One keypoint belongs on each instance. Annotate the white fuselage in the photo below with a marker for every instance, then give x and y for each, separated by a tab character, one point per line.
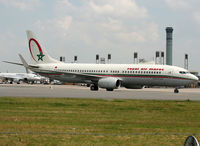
129	74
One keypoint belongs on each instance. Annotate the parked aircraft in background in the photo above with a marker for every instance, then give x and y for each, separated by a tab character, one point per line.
17	77
108	76
27	77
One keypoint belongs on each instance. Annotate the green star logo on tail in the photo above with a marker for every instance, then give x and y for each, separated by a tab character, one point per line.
40	56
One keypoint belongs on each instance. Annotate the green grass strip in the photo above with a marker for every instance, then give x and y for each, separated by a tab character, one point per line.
66	121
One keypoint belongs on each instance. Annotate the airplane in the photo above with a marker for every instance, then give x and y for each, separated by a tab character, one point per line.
106	76
27	77
18	77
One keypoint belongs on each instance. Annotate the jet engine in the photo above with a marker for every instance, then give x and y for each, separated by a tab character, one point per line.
109	83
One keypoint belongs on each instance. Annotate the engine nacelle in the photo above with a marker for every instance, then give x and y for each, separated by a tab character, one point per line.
109	83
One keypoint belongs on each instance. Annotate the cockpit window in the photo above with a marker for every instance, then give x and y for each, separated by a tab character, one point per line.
183	72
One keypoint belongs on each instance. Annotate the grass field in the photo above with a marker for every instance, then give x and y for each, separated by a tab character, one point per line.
63	121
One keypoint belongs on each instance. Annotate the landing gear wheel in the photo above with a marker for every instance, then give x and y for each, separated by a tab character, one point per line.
109	89
94	88
176	90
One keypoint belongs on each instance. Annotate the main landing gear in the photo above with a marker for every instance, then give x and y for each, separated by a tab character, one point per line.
94	87
176	90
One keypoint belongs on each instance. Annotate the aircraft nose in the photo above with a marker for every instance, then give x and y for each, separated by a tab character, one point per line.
195	78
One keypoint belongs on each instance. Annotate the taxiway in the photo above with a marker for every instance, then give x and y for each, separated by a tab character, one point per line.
67	91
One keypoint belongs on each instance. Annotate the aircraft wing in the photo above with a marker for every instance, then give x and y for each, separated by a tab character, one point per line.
49	73
84	76
43	72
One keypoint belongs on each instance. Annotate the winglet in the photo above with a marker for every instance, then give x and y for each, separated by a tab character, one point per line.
23	61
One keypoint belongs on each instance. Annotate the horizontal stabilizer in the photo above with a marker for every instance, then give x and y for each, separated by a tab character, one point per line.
15	63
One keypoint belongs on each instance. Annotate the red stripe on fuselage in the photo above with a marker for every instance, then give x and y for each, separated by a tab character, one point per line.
143	76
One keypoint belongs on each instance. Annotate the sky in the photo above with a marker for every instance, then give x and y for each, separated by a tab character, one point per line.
89	27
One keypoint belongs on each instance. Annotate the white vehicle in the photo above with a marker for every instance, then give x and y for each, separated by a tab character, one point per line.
108	76
17	77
